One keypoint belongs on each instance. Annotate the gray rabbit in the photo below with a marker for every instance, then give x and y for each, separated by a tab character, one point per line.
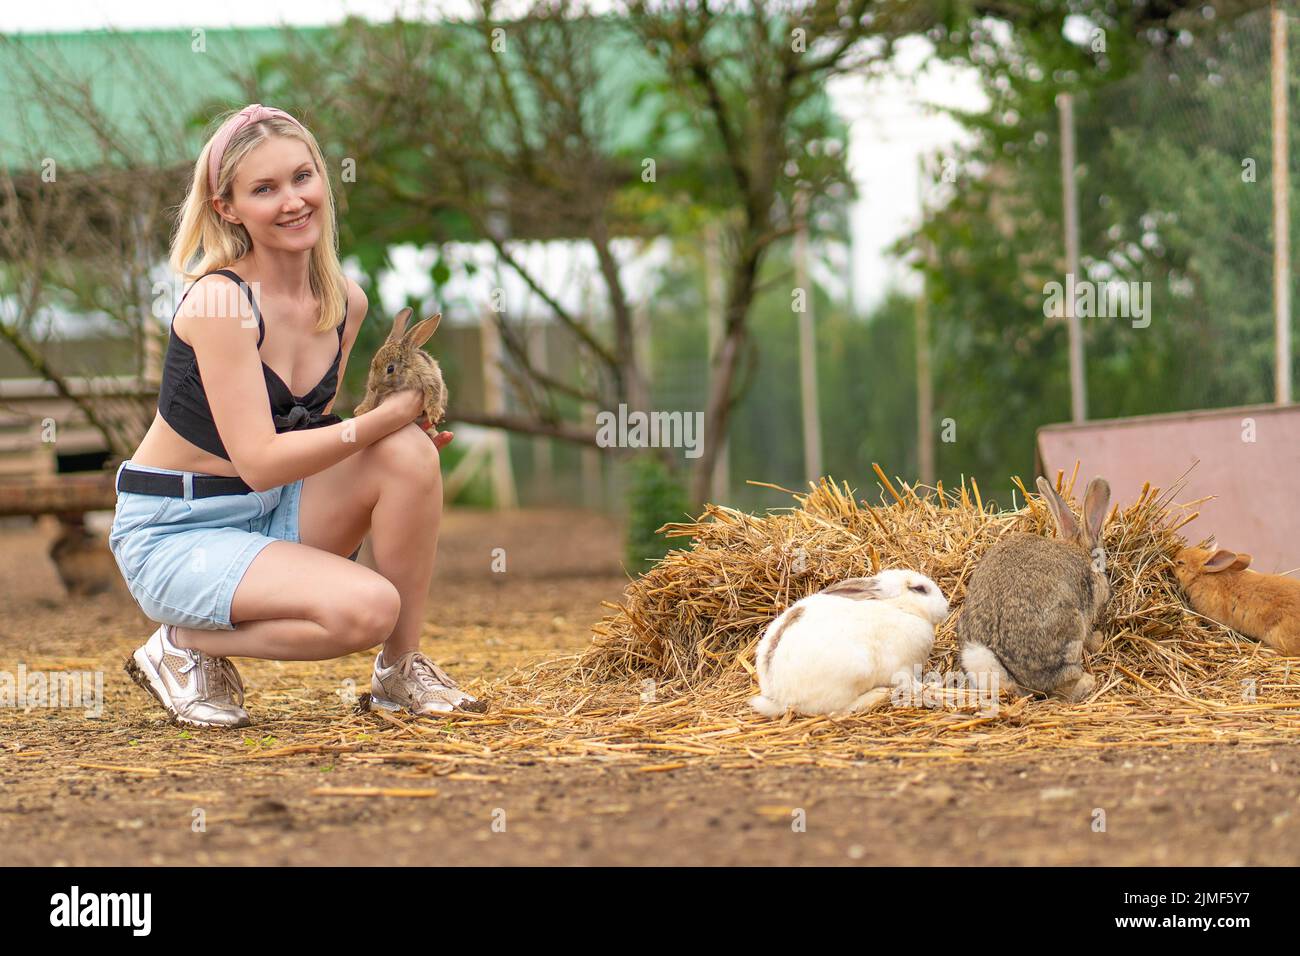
1033	602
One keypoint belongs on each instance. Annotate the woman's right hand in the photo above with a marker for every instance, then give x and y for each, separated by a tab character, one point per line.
407	404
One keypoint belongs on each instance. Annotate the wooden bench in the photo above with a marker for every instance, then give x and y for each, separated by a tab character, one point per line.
46	442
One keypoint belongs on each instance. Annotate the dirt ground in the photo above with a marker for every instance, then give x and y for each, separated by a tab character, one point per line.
127	787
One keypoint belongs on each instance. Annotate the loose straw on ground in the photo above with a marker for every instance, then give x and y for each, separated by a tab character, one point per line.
665	682
671	669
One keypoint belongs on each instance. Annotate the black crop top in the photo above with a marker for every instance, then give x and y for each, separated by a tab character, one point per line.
184	405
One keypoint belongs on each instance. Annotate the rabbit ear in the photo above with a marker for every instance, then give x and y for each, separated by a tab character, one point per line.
399	325
1223	560
1096	500
858	589
423	331
1066	527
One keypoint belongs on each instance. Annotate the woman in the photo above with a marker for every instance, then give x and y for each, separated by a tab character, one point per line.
236	515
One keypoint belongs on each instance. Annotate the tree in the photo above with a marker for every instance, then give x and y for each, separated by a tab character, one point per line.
751	83
1160	138
493	131
501	131
83	217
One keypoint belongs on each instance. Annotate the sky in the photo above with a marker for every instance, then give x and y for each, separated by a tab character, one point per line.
891	121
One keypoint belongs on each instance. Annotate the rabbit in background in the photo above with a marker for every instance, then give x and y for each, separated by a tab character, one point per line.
1220	586
401	363
838	651
1033	603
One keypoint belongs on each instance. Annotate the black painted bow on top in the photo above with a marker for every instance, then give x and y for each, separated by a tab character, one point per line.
300	416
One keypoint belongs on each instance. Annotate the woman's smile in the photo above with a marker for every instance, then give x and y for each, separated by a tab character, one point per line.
299	222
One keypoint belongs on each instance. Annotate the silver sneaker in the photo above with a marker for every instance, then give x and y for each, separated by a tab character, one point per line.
417	684
197	689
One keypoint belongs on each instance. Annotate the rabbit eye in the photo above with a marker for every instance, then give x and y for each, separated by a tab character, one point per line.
390	370
918	588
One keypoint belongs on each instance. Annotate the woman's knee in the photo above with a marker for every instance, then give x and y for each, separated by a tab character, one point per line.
408	453
365	613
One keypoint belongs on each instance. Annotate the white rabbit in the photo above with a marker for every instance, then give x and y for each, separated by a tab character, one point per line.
837	651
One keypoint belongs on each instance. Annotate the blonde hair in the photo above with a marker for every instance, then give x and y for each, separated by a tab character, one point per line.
207	241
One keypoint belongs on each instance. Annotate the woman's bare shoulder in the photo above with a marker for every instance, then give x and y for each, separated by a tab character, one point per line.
358	305
210	296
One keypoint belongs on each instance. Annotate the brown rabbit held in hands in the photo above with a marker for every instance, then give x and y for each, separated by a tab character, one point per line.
400	363
1033	603
1265	607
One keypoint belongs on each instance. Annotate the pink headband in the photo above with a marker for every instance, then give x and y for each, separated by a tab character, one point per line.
252	113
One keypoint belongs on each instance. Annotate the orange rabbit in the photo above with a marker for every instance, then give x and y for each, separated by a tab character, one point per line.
1263	606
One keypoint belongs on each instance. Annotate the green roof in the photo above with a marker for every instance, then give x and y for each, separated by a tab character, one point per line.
153	84
129	75
159	89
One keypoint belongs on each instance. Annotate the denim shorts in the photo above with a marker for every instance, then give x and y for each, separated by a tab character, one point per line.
182	558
